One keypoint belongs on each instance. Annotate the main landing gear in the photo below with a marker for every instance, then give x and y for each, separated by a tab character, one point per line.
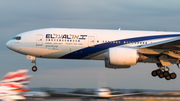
33	60
163	73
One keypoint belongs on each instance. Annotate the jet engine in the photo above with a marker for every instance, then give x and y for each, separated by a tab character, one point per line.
122	57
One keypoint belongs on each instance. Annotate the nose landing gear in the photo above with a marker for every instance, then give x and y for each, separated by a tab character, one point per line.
34	68
33	58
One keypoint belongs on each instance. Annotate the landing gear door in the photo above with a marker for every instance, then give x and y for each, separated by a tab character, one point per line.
91	41
39	40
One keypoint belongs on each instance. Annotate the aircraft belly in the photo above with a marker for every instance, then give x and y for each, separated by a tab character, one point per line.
102	55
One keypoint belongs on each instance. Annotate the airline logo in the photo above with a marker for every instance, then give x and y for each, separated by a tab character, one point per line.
24	80
66	36
12	85
22	90
16	80
3	93
14	76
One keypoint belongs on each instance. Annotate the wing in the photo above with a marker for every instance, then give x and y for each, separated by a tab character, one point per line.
120	95
82	95
165	50
167	44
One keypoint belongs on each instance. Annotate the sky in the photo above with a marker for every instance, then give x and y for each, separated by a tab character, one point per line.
25	15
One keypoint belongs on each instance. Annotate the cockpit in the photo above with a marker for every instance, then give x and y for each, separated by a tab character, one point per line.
17	38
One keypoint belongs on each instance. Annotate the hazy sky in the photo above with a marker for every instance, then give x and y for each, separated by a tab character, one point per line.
17	16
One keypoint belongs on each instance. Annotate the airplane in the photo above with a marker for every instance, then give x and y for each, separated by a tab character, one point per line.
102	93
36	94
13	84
118	48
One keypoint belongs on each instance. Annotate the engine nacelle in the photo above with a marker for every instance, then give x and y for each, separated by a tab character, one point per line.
123	56
108	65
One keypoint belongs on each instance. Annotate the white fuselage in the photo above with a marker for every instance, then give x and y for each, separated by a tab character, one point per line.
61	43
103	92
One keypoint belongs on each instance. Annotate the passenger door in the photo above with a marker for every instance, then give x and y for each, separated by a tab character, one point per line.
91	41
39	40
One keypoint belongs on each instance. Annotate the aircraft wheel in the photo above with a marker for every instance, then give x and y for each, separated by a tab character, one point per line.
159	71
161	75
168	77
154	73
173	75
166	73
34	68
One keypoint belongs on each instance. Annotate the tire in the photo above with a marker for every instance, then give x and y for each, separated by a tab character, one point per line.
154	73
166	73
168	78
159	71
34	68
161	76
173	75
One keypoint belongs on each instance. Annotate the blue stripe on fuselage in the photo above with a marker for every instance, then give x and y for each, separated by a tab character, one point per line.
79	54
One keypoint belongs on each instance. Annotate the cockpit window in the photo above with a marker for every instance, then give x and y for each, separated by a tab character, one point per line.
17	38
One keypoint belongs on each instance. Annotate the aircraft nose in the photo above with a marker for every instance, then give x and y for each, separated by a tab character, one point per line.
15	46
8	44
